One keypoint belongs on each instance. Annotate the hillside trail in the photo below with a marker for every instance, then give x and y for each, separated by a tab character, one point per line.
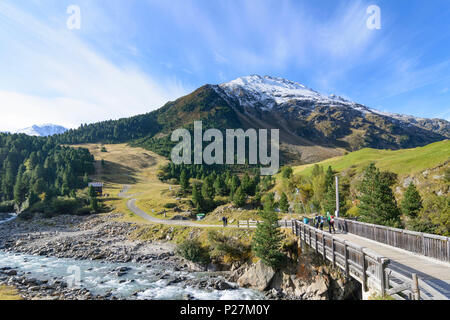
131	205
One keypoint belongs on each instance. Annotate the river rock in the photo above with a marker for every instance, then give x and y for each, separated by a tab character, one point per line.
257	276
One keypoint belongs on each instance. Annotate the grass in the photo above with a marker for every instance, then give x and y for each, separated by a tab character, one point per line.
402	162
9	293
137	167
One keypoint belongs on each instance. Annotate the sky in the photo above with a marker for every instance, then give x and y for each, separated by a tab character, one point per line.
130	57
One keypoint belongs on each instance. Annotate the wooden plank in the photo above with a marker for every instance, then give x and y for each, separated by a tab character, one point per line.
364	268
346	259
399	288
333	251
415	287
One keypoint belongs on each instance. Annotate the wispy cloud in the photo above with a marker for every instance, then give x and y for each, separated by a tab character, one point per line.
62	79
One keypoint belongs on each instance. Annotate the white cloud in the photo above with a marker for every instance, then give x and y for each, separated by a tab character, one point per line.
52	75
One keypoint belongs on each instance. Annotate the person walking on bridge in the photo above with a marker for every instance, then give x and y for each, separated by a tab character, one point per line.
331	224
322	221
316	221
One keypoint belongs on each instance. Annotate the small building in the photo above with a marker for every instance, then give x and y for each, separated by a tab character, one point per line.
98	187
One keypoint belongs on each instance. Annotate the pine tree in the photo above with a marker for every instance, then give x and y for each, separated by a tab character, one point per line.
219	186
239	197
286	172
377	201
20	187
197	198
329	176
267	239
284	203
412	202
184	180
235	183
208	191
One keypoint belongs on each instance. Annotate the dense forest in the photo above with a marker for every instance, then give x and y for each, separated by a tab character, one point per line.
35	168
111	131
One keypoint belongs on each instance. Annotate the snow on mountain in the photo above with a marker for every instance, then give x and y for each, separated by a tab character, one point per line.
43	130
271	91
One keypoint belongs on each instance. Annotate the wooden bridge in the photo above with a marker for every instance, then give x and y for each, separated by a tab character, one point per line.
403	264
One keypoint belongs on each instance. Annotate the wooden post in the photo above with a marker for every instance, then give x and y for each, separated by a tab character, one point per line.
416	289
448	249
386	280
315	239
423	244
309	234
324	246
364	269
332	250
347	270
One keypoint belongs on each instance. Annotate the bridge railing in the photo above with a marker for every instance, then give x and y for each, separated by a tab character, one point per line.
429	245
361	263
364	265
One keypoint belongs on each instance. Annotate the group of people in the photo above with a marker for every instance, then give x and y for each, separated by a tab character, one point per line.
320	220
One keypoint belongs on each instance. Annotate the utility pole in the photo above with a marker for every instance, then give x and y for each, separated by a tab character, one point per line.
337	196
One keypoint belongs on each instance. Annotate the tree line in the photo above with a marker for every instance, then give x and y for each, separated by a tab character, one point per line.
36	168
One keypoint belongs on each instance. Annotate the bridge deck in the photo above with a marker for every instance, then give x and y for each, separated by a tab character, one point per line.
435	273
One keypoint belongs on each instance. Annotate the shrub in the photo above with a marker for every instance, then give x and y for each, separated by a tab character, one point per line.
228	248
83	211
65	206
170	205
192	250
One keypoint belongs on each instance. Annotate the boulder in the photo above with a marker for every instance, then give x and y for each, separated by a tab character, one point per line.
258	276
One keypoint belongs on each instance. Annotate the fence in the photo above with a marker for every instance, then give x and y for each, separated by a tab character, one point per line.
429	245
248	224
253	223
364	265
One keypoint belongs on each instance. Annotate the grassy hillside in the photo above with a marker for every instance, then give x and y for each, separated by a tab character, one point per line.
402	162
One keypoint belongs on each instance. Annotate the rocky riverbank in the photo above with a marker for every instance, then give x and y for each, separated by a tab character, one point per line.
105	241
92	238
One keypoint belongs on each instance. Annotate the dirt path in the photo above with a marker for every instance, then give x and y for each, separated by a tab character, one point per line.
131	204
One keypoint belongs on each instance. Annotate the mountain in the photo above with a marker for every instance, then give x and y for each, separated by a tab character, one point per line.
313	126
43	130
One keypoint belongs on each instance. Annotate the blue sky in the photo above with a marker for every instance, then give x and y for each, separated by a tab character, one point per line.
132	56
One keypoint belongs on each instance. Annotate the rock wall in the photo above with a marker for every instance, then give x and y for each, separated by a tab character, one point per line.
306	276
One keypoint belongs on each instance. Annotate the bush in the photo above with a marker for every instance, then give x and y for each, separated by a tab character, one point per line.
170	205
83	211
65	206
7	207
192	250
229	249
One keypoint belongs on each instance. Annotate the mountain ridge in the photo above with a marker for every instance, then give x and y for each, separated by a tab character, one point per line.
313	127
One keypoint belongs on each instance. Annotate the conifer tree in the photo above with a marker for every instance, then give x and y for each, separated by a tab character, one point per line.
239	197
267	239
329	176
197	198
412	202
377	201
284	203
20	187
184	180
219	186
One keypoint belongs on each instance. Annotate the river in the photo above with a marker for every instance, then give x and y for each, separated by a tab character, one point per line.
123	280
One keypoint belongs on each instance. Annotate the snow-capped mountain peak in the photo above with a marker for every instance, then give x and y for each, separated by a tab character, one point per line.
272	90
43	130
